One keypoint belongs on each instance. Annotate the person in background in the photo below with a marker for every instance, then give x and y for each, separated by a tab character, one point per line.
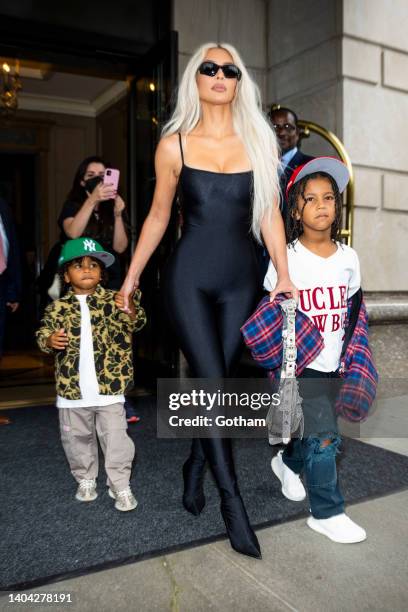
91	340
285	123
10	273
95	210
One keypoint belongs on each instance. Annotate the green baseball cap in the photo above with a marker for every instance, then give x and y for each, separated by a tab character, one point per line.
82	247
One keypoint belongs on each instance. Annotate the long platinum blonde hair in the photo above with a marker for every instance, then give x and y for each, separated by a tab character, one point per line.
249	123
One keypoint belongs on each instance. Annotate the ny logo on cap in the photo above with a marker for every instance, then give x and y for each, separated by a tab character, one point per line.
89	245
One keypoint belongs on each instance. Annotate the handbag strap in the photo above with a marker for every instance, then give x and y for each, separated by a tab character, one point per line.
289	339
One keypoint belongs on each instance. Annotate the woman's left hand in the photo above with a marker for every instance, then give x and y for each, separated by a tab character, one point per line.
119	205
285	285
120	303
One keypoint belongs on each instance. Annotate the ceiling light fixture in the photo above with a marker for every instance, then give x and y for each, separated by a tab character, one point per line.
10	86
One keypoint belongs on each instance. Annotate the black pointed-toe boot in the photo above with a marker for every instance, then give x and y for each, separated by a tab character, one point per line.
218	452
241	535
193	476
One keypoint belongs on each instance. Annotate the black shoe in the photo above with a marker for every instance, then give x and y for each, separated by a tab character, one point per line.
193	497
242	537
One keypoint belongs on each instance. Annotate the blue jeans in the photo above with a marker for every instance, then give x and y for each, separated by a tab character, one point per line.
315	454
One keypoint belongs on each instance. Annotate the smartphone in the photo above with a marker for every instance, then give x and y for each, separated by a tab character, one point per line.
111	177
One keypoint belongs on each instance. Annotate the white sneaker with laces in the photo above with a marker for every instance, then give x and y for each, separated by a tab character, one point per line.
292	487
125	500
339	528
86	490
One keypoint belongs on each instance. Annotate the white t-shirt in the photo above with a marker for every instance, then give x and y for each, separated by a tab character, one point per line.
88	383
325	284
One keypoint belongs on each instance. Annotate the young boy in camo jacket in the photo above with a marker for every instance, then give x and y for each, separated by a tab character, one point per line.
91	339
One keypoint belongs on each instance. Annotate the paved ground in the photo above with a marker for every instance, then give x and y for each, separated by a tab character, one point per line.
300	570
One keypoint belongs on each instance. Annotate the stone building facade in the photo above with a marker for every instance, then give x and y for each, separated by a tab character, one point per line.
344	65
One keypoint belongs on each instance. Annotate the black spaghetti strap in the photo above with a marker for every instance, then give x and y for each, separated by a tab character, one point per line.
181	149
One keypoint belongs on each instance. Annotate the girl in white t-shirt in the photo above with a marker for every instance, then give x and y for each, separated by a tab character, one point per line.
327	274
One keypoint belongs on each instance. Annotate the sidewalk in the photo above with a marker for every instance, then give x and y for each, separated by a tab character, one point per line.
300	570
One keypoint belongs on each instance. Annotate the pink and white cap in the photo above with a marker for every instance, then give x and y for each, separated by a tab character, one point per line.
330	165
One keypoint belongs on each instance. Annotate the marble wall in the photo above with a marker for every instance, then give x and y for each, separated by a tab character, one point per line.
344	65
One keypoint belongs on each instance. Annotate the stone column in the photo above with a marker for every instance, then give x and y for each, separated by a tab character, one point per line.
304	63
375	132
345	65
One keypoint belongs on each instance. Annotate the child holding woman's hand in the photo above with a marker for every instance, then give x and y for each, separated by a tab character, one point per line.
91	338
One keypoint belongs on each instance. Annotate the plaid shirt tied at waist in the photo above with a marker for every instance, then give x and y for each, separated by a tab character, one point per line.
262	334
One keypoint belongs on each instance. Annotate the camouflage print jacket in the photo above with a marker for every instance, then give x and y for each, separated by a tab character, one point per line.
112	341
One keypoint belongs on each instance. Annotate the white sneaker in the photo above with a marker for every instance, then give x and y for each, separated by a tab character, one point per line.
339	528
86	491
292	486
125	500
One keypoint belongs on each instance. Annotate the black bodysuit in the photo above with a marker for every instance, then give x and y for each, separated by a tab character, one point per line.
211	285
212	278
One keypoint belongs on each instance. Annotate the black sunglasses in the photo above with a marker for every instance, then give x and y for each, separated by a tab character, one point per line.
211	68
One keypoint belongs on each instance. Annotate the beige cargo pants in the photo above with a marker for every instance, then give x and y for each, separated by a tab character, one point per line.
79	429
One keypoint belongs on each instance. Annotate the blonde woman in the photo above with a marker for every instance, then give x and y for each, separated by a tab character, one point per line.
221	152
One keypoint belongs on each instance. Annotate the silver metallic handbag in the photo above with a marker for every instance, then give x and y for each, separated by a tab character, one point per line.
286	418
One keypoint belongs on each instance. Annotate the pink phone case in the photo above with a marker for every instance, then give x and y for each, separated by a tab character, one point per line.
111	177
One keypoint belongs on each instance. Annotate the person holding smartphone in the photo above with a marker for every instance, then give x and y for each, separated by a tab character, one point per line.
94	208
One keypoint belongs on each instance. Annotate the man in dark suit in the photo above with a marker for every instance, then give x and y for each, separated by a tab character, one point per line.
285	123
10	273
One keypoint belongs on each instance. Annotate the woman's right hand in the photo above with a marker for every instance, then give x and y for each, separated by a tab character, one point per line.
100	193
127	290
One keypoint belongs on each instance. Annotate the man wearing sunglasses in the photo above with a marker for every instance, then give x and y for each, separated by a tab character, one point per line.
285	123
